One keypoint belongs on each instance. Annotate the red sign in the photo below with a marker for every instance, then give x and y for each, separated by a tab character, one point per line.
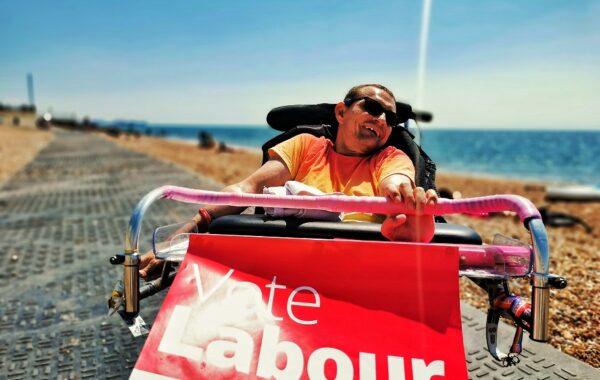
262	307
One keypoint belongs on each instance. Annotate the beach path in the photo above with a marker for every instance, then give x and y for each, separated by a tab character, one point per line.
64	214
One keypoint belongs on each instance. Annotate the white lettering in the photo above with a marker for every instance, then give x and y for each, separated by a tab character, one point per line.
270	348
422	371
219	352
291	303
396	368
171	342
220	283
234	347
366	364
249	299
316	364
273	286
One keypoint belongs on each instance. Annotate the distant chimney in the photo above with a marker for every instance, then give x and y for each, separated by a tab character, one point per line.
30	89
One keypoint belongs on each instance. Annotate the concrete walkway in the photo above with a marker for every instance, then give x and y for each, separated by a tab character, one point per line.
65	214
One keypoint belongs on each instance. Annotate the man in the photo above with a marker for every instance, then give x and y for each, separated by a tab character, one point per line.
355	164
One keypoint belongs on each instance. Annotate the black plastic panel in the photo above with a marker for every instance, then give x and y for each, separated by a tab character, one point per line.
266	226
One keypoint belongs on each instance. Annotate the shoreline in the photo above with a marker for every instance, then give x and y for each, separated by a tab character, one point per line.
535	181
475	175
194	143
499	177
139	143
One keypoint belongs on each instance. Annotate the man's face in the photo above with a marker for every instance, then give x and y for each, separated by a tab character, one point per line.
359	132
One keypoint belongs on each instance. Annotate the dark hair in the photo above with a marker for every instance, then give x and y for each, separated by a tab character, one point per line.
353	93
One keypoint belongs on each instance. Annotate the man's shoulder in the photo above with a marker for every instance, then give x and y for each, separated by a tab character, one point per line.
391	151
308	138
304	142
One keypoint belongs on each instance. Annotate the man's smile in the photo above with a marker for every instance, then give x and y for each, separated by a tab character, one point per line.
372	130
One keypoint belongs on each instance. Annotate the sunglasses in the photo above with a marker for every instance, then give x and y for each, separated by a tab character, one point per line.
375	109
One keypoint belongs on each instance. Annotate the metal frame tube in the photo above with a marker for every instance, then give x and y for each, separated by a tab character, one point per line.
540	294
131	283
131	266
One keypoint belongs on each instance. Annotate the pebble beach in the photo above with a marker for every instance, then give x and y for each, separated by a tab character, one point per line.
575	311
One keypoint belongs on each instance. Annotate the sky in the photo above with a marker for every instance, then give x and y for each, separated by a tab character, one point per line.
502	63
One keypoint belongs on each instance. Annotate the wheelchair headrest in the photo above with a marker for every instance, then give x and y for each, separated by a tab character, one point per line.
287	117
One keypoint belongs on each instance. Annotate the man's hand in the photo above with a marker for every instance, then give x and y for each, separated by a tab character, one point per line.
149	264
417	227
148	261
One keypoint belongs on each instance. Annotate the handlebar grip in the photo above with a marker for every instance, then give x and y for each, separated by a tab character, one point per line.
117	259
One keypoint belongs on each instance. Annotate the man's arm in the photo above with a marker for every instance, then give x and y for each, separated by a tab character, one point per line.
273	173
417	228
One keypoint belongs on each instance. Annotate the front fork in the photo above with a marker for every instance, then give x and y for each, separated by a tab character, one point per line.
505	303
130	258
117	303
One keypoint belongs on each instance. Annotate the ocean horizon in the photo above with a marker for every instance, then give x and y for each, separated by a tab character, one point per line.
548	155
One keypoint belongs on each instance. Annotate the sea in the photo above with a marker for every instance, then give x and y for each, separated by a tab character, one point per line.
554	156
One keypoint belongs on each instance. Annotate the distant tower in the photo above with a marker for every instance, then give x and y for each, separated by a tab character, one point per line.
30	89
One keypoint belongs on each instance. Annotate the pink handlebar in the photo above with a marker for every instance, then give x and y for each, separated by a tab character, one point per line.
343	203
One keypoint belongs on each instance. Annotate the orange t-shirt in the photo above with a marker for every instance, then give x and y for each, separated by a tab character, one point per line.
314	162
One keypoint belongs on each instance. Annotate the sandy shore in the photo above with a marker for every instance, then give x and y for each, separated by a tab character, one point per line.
575	320
18	145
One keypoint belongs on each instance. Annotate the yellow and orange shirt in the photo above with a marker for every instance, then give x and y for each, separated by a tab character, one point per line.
314	162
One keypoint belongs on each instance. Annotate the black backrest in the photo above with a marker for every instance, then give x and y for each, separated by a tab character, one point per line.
287	117
318	229
319	120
